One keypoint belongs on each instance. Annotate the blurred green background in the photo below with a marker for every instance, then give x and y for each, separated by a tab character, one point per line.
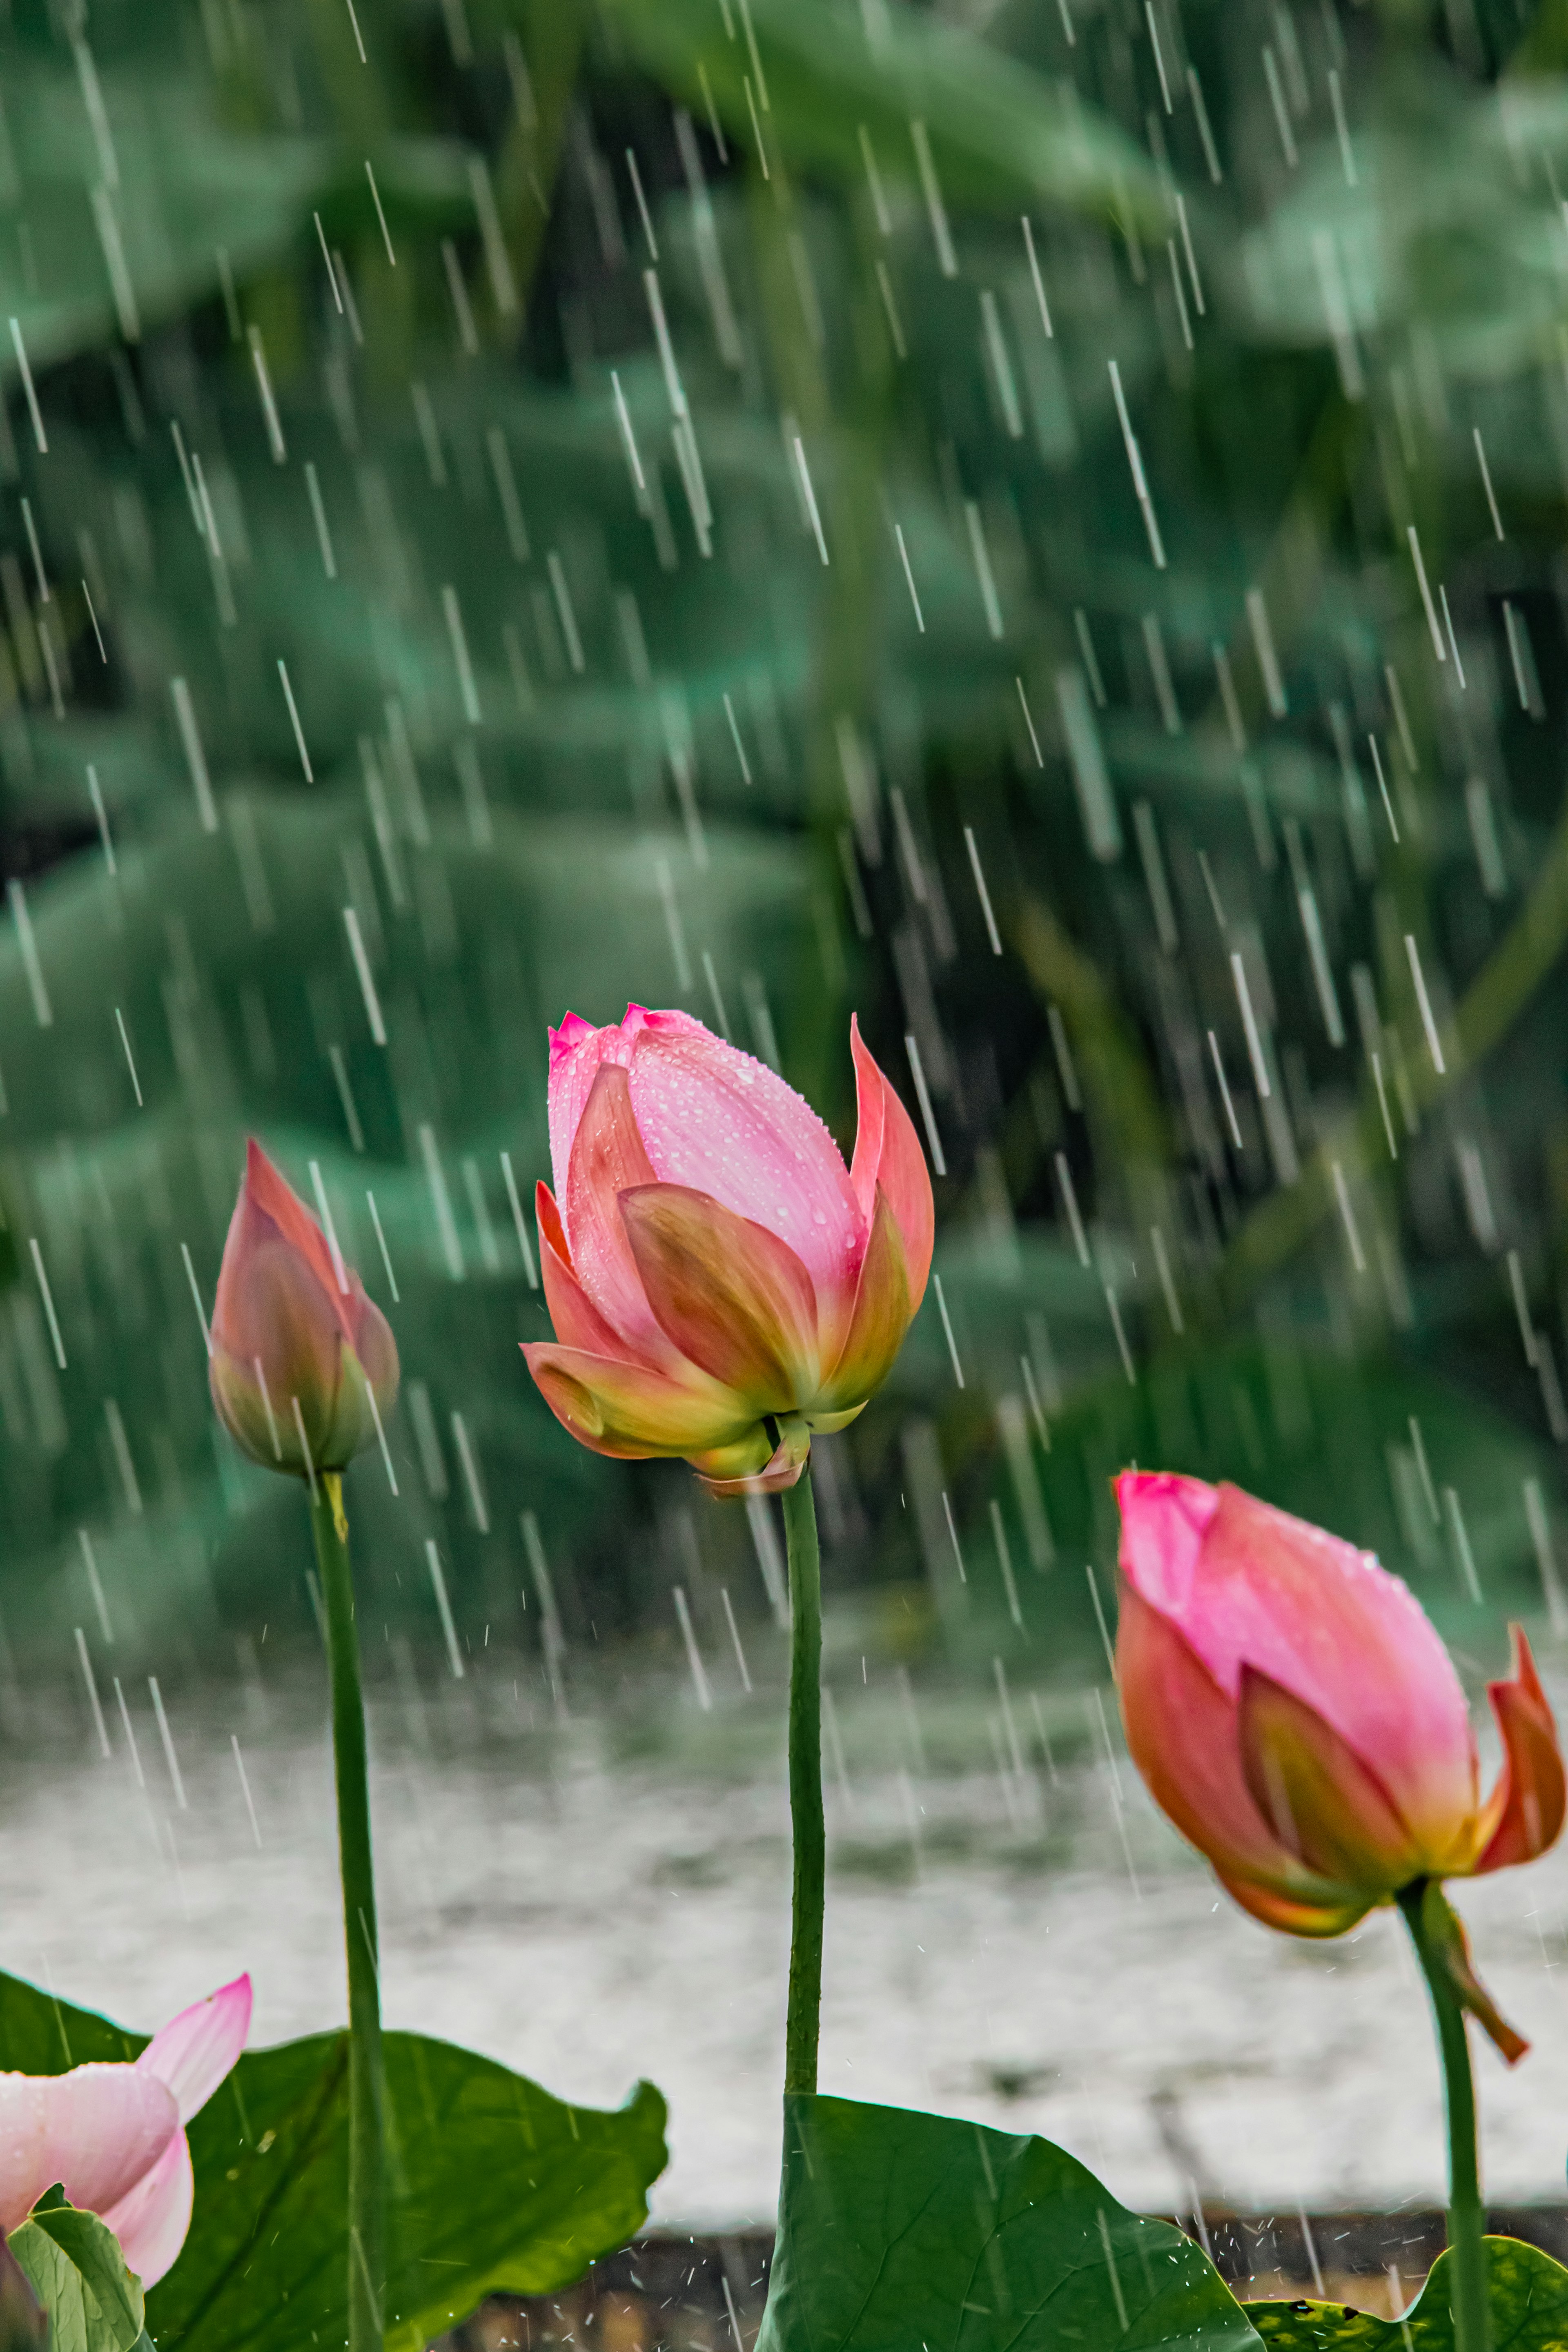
1039	520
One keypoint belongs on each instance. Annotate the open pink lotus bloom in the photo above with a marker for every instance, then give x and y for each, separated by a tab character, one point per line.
303	1362
721	1286
1293	1711
114	2135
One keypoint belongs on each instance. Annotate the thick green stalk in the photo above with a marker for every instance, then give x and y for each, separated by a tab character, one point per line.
366	2253
804	2013
1467	2219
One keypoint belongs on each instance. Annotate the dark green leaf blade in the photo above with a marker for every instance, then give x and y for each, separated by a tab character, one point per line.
1528	2296
493	2183
901	2229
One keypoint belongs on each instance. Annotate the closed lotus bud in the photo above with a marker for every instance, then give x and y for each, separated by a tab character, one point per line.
1295	1714
303	1365
721	1286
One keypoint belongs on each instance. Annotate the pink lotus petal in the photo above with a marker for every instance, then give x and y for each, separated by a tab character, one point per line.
1524	1814
573	1318
96	2130
733	1298
151	2220
1181	1735
576	1051
718	1121
888	1152
195	2051
267	1197
607	1159
880	1317
1248	1584
571	1031
632	1412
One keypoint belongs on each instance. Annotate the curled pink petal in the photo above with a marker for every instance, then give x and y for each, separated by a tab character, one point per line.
888	1153
782	1469
152	2219
195	2051
1524	1814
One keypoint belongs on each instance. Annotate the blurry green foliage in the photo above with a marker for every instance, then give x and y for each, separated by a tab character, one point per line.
358	416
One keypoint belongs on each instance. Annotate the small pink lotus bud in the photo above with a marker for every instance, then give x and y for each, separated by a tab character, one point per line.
1294	1712
303	1362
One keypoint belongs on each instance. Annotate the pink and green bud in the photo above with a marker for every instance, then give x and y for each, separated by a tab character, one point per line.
1295	1714
722	1287
303	1365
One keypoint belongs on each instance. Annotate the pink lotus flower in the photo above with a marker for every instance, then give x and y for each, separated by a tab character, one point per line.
1295	1714
721	1286
114	2135
303	1362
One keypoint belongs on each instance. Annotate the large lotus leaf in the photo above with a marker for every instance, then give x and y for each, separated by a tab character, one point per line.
898	2229
492	2183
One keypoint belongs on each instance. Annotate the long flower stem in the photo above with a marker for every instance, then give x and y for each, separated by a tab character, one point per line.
367	2192
1467	2219
805	2012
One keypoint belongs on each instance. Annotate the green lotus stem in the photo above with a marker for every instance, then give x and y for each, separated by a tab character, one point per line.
804	2018
367	2187
1467	2219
